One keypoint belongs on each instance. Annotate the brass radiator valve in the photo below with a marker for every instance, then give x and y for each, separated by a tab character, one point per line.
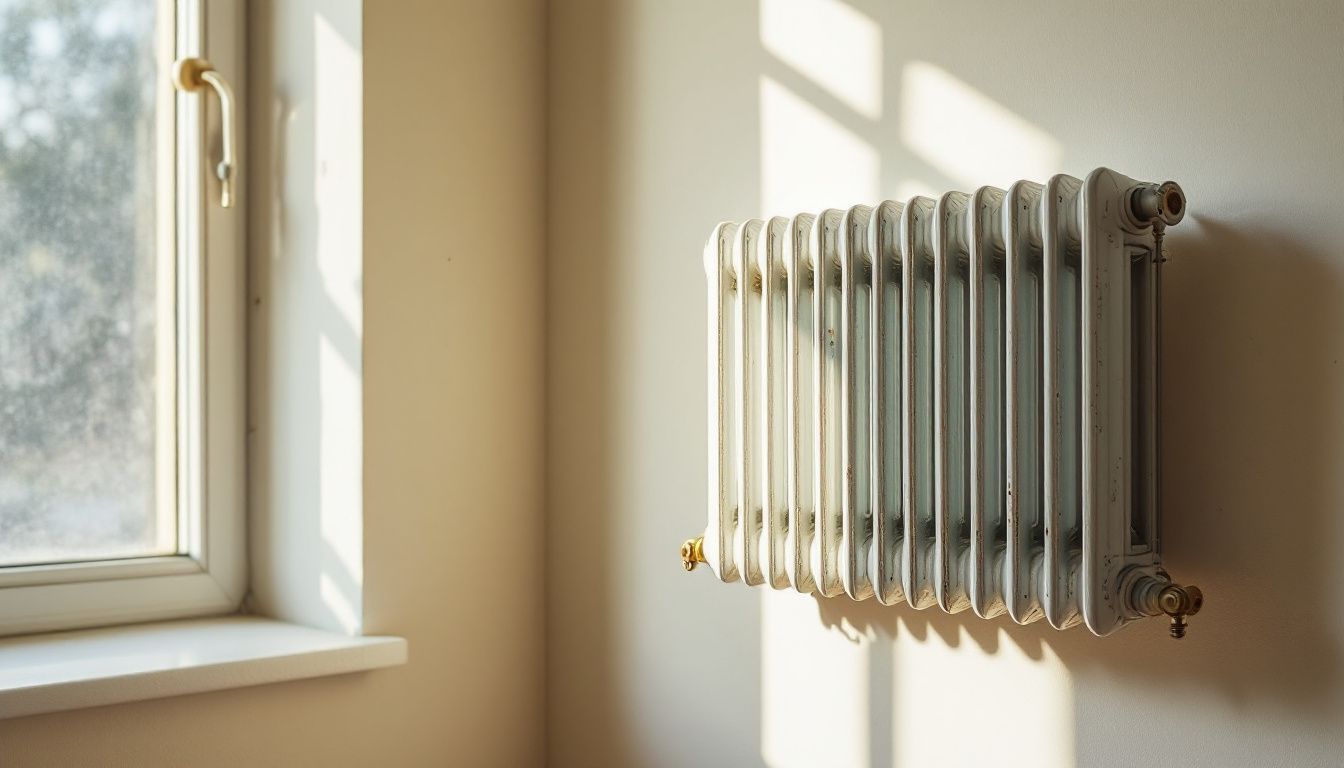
1154	596
693	553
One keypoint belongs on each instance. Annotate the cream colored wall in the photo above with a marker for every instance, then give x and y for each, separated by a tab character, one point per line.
668	117
452	394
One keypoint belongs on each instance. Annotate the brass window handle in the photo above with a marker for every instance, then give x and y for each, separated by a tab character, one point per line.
192	74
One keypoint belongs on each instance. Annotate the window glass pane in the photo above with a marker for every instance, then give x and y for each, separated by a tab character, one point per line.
84	308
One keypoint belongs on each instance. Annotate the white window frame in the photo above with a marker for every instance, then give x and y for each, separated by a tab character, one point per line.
209	573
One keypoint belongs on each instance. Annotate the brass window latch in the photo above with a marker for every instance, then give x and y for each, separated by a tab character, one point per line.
193	74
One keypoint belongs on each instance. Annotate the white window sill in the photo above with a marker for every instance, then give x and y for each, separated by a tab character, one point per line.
88	668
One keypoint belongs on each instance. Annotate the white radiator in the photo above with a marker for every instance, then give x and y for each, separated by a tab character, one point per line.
947	402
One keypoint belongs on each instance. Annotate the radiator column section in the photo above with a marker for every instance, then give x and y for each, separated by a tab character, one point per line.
717	547
984	239
800	416
772	425
917	402
885	376
746	539
855	395
826	400
949	403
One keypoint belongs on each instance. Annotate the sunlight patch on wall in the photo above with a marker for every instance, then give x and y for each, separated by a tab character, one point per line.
340	511
1021	708
809	161
338	197
831	44
814	679
969	136
338	179
814	687
337	599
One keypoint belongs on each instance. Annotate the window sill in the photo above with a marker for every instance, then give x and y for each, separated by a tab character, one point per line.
89	668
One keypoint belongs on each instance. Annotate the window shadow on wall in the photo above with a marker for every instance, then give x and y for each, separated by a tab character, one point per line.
1250	391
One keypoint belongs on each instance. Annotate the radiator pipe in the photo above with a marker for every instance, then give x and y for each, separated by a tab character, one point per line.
1159	206
1153	203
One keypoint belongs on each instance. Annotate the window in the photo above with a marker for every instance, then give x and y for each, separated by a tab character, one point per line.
121	324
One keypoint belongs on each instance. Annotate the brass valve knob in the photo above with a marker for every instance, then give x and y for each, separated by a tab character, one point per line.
1155	594
693	553
1179	602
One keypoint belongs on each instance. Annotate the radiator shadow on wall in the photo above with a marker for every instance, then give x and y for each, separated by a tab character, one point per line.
1249	417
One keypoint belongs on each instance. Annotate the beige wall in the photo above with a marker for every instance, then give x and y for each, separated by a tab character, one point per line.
452	369
664	118
668	117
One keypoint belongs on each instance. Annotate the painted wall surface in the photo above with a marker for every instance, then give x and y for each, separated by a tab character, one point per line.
669	117
451	390
306	316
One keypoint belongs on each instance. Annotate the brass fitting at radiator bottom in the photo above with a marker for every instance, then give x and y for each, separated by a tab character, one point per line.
1155	596
693	553
1179	602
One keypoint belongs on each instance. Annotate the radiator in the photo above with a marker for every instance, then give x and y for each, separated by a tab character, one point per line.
948	403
